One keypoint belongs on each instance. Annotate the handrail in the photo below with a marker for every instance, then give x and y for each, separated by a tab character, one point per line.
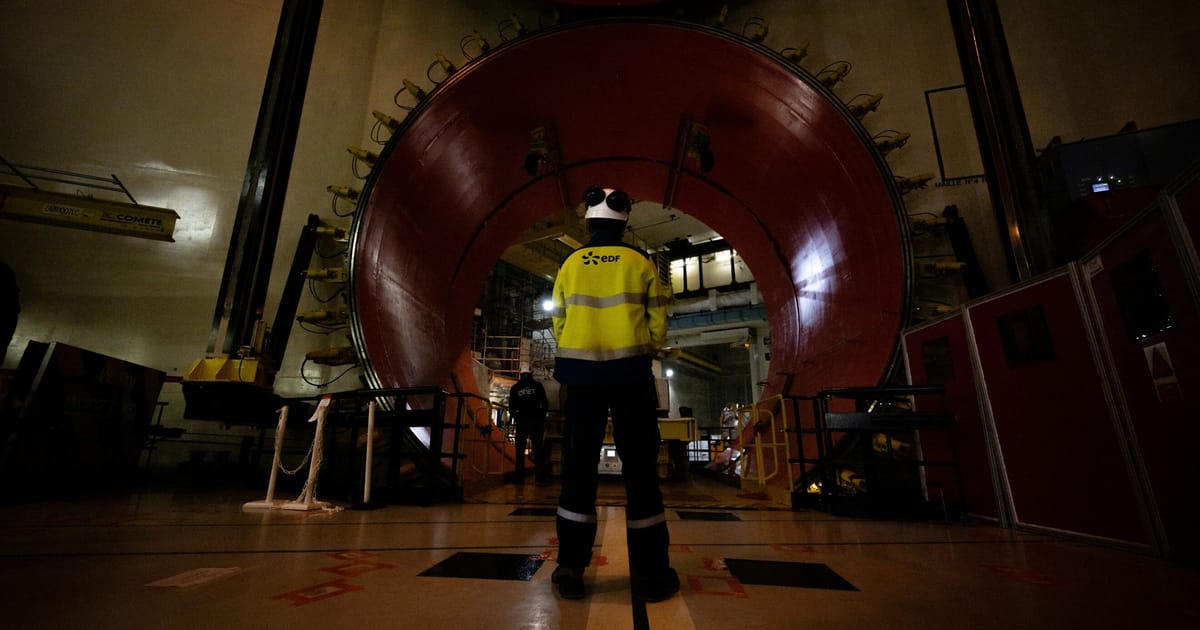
806	485
383	392
870	392
485	429
827	422
757	411
394	401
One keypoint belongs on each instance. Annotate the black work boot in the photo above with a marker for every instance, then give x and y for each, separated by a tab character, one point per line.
569	581
655	588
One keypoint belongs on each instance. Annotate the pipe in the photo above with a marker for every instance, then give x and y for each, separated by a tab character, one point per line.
716	301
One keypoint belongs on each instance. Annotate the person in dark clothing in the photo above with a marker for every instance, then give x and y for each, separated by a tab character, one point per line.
527	404
10	307
609	316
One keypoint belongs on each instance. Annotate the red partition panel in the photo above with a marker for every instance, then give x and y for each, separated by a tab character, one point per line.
1150	324
939	354
1061	455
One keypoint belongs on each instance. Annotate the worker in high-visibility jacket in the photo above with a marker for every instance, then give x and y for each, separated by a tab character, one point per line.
610	318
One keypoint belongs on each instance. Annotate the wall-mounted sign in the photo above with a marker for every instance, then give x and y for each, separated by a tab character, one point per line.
1162	372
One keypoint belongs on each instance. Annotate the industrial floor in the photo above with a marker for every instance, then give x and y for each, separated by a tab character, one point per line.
196	559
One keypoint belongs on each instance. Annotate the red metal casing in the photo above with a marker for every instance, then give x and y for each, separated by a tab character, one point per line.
797	189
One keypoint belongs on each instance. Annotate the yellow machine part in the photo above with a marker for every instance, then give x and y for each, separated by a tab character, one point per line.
227	370
886	444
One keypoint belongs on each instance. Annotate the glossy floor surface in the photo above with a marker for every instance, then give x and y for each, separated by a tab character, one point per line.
163	559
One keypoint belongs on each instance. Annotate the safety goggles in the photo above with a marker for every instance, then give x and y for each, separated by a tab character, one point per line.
616	200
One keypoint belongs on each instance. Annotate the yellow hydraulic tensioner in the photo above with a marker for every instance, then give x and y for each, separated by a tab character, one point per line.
887	143
833	73
345	192
909	184
797	54
335	275
339	234
929	268
325	317
364	155
387	121
341	355
860	107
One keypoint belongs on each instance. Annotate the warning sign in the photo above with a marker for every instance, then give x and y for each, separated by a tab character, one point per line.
1162	372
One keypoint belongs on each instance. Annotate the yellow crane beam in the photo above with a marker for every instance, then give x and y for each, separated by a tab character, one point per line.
87	213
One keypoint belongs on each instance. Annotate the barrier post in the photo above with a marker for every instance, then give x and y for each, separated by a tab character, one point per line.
270	502
307	499
370	452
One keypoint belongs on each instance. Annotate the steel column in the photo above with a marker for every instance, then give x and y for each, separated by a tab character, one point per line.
256	226
1000	125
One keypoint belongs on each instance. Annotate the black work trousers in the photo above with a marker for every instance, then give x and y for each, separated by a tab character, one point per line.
533	429
634	415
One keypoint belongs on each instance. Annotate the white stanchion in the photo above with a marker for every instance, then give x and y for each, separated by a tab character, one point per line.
307	499
370	451
270	503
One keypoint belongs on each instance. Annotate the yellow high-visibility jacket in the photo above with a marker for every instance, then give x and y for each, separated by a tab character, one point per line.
610	314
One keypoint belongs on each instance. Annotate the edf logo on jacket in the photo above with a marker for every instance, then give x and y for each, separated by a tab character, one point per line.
591	258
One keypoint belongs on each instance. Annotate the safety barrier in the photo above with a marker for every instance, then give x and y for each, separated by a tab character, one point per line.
895	458
307	500
710	445
764	421
399	408
490	419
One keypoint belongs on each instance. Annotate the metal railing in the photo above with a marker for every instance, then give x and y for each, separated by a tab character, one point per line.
767	418
400	410
491	435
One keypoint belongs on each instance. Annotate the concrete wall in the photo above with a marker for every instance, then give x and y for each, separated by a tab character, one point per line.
1086	68
166	96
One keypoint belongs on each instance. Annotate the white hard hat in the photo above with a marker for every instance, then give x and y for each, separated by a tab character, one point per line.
606	203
